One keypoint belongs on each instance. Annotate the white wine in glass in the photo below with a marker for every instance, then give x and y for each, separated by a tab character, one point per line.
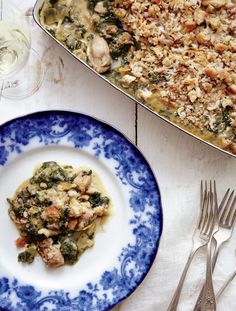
14	49
16	54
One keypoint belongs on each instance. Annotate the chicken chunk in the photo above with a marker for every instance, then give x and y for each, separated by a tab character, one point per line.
50	253
83	180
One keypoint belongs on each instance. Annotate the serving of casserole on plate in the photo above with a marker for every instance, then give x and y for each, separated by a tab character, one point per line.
177	57
57	212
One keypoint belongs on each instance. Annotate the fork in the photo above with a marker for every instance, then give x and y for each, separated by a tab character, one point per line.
200	238
209	300
223	234
227	282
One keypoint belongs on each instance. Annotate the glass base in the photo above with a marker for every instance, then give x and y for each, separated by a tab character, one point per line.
25	82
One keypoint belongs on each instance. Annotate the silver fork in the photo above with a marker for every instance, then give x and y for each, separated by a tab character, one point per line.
209	300
200	238
226	222
223	234
227	282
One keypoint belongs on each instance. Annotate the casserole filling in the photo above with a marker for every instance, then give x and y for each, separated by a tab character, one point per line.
57	212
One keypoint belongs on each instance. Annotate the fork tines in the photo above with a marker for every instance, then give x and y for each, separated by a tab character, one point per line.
208	208
227	214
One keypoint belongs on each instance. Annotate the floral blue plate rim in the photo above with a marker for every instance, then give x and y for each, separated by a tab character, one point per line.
84	132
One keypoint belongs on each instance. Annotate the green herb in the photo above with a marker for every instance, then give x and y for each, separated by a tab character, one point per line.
25	257
67	20
45	202
226	118
32	233
64	215
158	78
50	173
221	123
91	235
137	44
69	251
28	255
121	51
96	200
91	5
119	44
18	211
110	18
75	45
15	209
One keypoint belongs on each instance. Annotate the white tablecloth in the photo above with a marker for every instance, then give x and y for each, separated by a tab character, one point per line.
178	161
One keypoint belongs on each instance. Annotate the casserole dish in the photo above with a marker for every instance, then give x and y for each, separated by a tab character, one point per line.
162	63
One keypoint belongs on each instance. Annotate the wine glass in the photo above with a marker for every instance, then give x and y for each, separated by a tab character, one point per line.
21	71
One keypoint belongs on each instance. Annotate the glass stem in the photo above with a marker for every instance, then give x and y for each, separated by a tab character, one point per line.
1	9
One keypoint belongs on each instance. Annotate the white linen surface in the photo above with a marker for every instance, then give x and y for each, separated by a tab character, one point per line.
155	292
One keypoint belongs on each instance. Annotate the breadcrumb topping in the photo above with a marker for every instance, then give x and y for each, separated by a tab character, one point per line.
188	57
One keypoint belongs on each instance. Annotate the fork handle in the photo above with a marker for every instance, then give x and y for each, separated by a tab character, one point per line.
214	259
209	300
175	300
227	282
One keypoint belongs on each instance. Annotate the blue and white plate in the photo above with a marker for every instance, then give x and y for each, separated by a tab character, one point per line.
124	250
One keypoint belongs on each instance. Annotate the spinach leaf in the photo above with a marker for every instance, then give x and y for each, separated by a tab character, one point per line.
28	255
225	117
32	233
69	251
91	5
96	199
120	51
49	172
